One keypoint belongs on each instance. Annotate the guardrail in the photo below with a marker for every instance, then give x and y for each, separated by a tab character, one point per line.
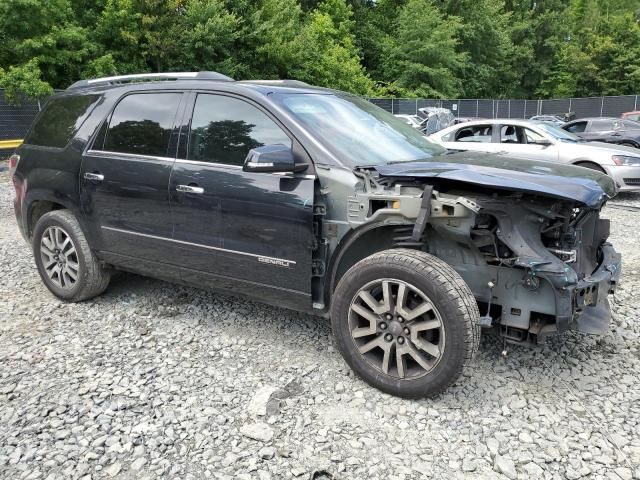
10	144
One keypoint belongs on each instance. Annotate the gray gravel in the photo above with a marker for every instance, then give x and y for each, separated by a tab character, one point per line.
155	380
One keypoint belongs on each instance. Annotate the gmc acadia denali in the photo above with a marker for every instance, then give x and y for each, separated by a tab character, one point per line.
319	201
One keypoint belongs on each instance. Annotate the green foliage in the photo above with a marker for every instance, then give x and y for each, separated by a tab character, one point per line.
441	48
23	81
421	54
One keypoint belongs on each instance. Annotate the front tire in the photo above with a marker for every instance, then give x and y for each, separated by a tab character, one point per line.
405	322
66	264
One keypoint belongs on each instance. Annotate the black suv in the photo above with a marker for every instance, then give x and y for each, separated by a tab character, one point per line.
319	201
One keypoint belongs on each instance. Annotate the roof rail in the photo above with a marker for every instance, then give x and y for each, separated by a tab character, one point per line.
150	76
284	83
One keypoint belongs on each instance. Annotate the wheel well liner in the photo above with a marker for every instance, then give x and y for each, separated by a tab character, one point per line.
37	209
357	245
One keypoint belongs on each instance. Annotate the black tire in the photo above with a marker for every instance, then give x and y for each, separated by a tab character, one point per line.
628	144
446	291
91	278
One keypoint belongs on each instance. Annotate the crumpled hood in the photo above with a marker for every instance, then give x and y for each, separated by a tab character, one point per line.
510	174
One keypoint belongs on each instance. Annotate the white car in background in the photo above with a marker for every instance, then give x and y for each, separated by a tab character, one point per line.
544	141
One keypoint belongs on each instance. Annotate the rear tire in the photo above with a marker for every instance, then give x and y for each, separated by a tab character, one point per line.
405	322
66	264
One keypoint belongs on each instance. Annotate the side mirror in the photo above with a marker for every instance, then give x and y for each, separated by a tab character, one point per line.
544	142
272	159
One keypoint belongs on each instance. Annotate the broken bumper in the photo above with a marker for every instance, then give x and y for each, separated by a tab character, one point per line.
585	307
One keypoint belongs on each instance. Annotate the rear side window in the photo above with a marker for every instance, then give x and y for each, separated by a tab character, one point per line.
577	127
475	134
142	124
61	118
224	129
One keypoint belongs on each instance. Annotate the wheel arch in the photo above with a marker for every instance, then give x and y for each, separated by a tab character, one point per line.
356	245
40	202
583	162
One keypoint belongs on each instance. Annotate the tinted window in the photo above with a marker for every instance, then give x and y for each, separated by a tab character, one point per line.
61	118
577	127
224	129
142	124
476	134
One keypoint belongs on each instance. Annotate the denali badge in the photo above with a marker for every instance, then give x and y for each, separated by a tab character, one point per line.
275	261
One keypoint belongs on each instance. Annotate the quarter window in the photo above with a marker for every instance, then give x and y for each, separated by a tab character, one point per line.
61	118
224	129
142	124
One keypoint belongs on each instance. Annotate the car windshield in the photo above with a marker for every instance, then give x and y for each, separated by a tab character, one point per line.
558	133
356	131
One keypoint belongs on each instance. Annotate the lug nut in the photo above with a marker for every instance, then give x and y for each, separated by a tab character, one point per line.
389	317
388	337
406	331
400	319
400	340
383	326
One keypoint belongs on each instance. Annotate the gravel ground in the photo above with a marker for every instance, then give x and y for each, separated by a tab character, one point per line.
153	380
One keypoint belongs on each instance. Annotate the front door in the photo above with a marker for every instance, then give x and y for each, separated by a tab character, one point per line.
125	178
521	142
249	232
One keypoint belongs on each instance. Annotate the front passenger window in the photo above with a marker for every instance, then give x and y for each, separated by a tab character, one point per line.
224	129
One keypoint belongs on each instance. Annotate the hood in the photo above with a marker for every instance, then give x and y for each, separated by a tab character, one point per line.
604	148
501	172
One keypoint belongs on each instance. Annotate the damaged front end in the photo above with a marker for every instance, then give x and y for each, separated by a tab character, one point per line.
537	263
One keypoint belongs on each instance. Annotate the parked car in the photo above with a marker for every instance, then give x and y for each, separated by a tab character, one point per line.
553	119
635	116
315	200
415	121
544	141
436	118
609	130
466	119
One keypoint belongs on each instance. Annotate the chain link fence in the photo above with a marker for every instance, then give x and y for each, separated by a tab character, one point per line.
15	120
483	108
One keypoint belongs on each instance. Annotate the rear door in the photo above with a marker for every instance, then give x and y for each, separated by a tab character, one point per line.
125	177
477	138
250	232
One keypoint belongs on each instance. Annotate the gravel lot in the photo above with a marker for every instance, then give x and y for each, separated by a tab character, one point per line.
153	380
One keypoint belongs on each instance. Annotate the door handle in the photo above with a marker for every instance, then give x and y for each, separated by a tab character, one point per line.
190	189
94	177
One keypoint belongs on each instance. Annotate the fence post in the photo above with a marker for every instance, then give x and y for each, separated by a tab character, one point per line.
416	107
635	103
601	105
509	108
569	106
392	106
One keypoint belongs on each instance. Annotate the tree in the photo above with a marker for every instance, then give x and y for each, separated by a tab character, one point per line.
421	56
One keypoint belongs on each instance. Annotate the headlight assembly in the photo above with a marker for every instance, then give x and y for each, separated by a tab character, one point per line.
626	160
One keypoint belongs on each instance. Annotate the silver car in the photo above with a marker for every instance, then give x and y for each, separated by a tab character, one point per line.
544	141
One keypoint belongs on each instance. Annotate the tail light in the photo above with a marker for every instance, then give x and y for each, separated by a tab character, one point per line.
13	163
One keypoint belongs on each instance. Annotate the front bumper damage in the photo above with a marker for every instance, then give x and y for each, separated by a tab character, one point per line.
585	307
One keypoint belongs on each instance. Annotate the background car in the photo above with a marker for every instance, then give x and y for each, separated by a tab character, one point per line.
437	118
544	141
635	116
414	120
606	129
554	119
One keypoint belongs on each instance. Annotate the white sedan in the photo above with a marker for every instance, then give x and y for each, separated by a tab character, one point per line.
543	141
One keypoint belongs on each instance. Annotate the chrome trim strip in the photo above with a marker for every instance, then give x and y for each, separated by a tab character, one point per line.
208	164
128	155
238	167
261	258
